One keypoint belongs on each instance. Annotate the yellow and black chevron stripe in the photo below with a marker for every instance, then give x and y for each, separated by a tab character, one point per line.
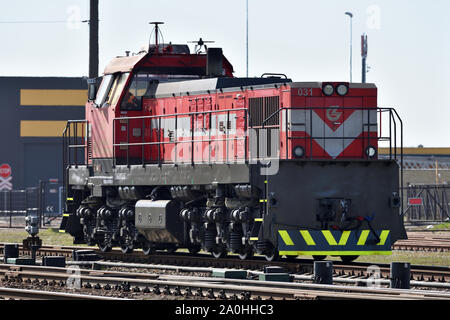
332	242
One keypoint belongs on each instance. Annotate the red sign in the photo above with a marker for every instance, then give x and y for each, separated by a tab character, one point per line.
415	201
5	170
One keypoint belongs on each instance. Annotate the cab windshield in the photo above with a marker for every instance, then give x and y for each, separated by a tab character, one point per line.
117	88
102	92
110	89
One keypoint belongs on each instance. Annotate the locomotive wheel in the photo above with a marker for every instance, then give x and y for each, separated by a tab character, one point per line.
272	256
319	258
218	253
126	248
348	259
147	248
246	254
104	247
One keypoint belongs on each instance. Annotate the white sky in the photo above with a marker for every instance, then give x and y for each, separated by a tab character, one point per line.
409	44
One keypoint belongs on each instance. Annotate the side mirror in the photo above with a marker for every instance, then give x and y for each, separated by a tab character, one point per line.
93	87
92	91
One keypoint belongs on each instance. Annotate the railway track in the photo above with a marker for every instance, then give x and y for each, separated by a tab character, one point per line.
423	242
299	266
28	294
151	285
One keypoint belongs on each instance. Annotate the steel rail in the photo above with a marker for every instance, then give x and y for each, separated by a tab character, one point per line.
229	287
48	295
420	273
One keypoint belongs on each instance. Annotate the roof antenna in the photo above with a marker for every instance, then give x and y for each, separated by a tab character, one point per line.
156	29
199	44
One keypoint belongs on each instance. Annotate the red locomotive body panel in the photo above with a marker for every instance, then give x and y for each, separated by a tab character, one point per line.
215	125
197	122
333	127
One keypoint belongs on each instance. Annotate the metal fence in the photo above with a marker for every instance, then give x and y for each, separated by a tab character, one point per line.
44	201
427	202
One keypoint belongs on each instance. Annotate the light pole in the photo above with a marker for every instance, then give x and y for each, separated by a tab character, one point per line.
246	43
93	39
351	41
364	56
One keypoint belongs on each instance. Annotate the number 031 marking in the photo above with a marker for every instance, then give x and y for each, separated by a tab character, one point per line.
305	92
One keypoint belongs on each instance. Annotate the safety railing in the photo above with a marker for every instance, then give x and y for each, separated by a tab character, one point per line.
151	123
373	129
76	134
391	138
77	147
75	139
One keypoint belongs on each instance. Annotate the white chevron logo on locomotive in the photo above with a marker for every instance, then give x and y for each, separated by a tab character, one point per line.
333	140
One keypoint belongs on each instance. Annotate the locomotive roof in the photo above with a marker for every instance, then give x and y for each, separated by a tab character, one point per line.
206	86
123	64
211	85
353	85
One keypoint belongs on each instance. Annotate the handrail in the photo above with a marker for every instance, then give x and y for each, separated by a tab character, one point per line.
176	116
70	148
394	121
393	116
180	114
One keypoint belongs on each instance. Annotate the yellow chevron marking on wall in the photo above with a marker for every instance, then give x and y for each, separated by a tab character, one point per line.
40	128
383	236
363	237
52	97
308	239
286	238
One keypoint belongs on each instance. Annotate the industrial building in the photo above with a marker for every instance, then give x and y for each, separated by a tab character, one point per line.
424	165
34	111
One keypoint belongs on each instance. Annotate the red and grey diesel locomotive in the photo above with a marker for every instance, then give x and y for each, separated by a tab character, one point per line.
175	152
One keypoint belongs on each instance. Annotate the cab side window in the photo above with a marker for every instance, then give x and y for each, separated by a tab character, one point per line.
132	100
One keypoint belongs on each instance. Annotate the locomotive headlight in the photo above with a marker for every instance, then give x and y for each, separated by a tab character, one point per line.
342	89
298	152
328	89
371	151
